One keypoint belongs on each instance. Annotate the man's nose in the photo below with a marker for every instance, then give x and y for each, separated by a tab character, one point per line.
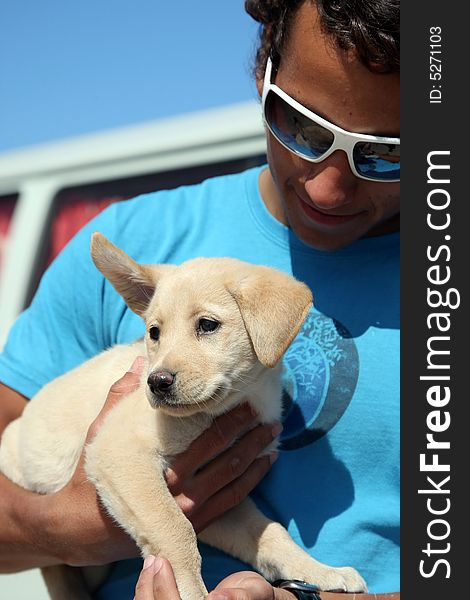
332	183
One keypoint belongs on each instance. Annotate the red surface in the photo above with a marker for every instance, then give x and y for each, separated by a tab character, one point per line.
7	206
70	217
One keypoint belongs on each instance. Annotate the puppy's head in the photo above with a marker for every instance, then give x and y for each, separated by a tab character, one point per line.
210	323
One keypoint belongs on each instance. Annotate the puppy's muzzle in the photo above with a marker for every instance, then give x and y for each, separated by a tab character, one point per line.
161	381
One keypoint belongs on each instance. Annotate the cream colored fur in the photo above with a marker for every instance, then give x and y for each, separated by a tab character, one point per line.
260	311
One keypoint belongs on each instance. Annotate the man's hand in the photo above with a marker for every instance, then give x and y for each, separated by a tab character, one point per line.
88	536
229	472
208	479
247	585
157	582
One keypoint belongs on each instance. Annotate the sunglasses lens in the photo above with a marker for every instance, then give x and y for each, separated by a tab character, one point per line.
296	131
377	161
303	136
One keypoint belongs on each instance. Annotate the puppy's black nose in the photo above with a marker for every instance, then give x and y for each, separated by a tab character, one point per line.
160	381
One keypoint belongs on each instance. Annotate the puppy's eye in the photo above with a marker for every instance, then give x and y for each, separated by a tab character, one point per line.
207	326
154	333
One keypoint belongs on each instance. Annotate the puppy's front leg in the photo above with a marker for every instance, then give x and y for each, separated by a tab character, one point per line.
128	475
244	532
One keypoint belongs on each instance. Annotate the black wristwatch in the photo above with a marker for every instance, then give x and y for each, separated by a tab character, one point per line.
300	589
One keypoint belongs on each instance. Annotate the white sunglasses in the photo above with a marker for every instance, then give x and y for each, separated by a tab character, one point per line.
313	138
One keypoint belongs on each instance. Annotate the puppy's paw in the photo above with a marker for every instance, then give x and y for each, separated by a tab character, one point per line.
342	579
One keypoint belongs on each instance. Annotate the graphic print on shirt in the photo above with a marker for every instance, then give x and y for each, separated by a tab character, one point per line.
320	375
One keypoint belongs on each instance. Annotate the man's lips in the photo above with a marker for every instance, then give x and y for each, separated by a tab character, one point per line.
324	218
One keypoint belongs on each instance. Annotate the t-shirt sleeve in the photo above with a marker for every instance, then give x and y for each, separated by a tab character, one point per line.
63	325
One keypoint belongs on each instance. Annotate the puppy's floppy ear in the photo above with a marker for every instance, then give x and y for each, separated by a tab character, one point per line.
273	306
135	283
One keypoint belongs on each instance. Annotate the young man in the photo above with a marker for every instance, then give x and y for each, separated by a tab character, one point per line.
325	209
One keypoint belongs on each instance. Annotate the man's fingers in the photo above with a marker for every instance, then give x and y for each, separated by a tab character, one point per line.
164	584
156	581
232	463
209	444
245	585
125	385
128	382
230	594
232	494
144	587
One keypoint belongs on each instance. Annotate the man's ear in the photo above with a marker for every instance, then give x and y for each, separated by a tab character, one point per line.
259	86
273	306
135	283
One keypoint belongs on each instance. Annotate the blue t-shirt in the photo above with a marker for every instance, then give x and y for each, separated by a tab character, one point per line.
335	485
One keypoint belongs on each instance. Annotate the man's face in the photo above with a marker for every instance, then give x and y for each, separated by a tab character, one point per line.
324	203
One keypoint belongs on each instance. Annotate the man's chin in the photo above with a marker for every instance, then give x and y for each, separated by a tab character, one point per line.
391	225
327	242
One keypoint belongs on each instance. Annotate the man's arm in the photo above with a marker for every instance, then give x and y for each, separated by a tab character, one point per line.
11	405
20	525
39	530
14	552
70	526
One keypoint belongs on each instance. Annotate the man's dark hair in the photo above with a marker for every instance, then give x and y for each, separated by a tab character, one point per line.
371	28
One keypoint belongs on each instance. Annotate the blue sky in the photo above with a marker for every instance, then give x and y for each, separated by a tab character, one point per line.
71	67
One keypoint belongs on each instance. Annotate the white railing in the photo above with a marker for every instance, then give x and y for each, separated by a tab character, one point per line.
38	173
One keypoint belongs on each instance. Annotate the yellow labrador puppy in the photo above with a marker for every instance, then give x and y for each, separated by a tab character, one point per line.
215	332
